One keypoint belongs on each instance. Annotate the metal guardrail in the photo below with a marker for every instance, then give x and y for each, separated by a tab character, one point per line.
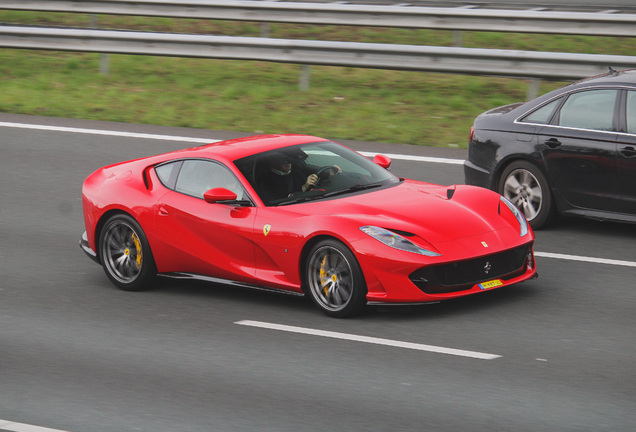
566	5
472	61
519	21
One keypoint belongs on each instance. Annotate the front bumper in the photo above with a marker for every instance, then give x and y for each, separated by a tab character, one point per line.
464	269
87	249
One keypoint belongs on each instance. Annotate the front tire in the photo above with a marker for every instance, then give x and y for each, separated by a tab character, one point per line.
125	253
527	188
334	280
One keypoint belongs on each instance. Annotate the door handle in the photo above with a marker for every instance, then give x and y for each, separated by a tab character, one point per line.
553	143
628	151
163	211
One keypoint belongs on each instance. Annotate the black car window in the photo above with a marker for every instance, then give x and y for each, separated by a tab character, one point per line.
592	109
168	172
198	176
543	114
631	112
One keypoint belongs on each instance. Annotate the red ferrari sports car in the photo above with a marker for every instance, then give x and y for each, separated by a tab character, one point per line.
303	215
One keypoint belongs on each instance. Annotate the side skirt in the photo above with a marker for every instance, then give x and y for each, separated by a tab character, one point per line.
198	277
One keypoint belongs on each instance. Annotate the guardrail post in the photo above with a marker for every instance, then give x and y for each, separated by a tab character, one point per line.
104	65
305	77
265	29
533	88
457	38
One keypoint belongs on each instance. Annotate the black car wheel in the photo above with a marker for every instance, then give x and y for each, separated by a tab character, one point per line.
334	279
527	188
125	253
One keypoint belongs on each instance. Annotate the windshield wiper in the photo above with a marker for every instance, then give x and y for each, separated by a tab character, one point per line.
354	188
351	189
298	200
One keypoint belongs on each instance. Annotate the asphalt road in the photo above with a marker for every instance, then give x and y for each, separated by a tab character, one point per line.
78	355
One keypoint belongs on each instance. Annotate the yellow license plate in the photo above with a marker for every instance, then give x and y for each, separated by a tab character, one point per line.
490	284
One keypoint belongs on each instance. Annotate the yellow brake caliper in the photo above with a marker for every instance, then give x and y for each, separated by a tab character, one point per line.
324	277
135	240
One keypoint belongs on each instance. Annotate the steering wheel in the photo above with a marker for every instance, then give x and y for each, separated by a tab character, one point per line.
321	172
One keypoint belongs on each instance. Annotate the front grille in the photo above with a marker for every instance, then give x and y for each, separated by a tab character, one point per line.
462	275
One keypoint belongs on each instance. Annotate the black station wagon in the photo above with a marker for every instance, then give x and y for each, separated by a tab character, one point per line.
571	151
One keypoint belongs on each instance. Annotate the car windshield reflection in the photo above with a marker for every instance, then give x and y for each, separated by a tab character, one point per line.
312	171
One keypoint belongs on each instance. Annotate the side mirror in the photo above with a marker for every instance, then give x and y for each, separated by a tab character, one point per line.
219	194
383	161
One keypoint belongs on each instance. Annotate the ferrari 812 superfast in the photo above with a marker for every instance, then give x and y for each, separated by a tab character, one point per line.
304	215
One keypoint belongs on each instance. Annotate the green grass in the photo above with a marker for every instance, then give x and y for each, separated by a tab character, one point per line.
342	103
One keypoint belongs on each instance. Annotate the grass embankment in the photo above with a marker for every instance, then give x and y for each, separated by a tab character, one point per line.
342	103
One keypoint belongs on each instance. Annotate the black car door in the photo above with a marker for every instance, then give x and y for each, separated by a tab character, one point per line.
627	155
580	150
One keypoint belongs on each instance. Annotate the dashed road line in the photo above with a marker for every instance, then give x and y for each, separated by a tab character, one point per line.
370	340
6	425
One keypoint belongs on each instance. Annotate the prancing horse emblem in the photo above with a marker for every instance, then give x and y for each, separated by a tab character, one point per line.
487	267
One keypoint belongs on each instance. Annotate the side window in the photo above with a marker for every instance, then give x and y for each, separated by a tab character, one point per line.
198	176
168	172
543	114
592	109
631	112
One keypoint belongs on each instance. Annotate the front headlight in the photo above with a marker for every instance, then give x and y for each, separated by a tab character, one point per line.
523	223
396	241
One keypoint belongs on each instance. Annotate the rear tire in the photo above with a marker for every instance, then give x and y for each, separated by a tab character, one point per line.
527	188
125	253
334	280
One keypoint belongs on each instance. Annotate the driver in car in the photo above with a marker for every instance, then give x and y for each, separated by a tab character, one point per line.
282	179
289	173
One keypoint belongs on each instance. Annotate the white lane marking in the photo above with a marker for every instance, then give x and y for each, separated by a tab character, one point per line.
370	340
585	259
107	132
417	158
201	140
21	427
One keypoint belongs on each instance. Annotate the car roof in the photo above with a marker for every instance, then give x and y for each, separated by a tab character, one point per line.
625	78
612	77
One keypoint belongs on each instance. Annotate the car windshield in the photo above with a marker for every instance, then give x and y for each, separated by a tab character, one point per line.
312	171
